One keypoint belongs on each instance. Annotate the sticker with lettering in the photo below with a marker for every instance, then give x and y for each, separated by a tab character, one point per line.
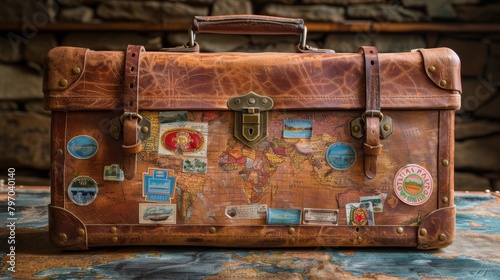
82	190
297	128
321	216
360	214
247	212
82	147
413	184
152	213
183	139
158	185
340	156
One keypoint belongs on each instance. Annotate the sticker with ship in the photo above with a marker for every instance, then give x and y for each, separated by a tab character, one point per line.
152	213
297	128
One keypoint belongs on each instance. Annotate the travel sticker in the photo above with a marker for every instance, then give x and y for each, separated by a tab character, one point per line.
276	216
376	200
82	190
183	139
340	156
173	116
360	214
321	216
247	212
413	184
152	213
297	128
113	173
82	147
195	165
158	185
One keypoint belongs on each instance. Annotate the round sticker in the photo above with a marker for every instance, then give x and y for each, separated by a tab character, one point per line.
82	147
341	156
82	190
413	184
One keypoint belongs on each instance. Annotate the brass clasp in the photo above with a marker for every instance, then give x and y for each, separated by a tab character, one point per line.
250	117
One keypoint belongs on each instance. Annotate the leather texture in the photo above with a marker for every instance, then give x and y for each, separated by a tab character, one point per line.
327	88
247	24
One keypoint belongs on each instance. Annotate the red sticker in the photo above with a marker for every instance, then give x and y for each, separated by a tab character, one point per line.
182	141
413	184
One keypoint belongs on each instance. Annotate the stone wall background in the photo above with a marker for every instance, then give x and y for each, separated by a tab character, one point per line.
25	141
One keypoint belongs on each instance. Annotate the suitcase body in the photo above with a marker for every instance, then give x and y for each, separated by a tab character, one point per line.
252	150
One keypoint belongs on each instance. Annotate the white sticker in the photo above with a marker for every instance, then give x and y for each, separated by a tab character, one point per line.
321	216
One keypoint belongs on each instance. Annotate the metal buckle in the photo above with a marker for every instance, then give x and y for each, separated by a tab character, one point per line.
372	113
143	126
130	115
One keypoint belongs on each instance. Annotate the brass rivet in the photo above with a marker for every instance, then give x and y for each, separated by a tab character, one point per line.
432	69
387	127
144	129
292	240
62	237
445	162
443	83
59	152
356	128
442	237
251	101
264	101
445	199
114	239
291	230
63	82
399	230
81	232
487	191
237	101
423	232
359	239
212	230
76	70
112	230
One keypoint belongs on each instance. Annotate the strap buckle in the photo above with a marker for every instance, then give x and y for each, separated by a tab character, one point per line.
372	113
130	116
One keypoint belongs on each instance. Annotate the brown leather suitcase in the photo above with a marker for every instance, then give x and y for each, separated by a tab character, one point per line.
313	148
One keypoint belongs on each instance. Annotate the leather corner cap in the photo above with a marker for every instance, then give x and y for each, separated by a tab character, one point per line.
63	67
437	230
442	66
66	230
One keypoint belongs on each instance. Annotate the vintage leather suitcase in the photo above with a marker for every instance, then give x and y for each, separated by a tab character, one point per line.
313	148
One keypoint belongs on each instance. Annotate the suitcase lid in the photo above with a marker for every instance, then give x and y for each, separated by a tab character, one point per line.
81	79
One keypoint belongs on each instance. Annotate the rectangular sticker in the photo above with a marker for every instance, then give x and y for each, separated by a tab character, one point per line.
183	139
173	116
247	212
158	184
360	214
195	165
321	216
152	213
376	200
297	128
277	216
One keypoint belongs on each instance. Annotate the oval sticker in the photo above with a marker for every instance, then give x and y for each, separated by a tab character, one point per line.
413	184
182	141
82	190
82	147
340	156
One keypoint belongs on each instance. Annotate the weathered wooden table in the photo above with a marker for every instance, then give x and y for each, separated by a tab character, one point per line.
475	254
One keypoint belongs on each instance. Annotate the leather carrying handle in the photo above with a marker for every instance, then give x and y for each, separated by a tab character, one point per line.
247	24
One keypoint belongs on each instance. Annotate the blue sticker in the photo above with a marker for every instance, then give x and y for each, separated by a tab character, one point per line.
158	186
297	129
82	190
341	156
277	216
82	146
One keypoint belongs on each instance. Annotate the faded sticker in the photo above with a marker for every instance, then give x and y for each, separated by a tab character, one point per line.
82	147
82	190
376	200
113	173
173	116
321	216
184	139
248	212
158	185
195	165
340	156
152	213
277	216
297	128
413	184
360	214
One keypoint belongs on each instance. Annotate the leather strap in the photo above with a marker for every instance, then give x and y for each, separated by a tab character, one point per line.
247	24
372	116
131	118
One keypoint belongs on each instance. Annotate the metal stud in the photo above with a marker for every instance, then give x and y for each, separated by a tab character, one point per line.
356	128
63	82
59	152
399	230
442	237
62	237
212	230
251	101
359	239
114	239
291	230
292	240
144	129
112	230
81	232
423	232
445	162
445	199
431	68
387	127
76	70
443	83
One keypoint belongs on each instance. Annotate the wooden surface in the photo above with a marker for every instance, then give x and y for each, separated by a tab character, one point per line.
473	255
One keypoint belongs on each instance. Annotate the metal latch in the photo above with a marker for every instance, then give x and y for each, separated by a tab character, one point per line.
144	127
358	126
250	117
